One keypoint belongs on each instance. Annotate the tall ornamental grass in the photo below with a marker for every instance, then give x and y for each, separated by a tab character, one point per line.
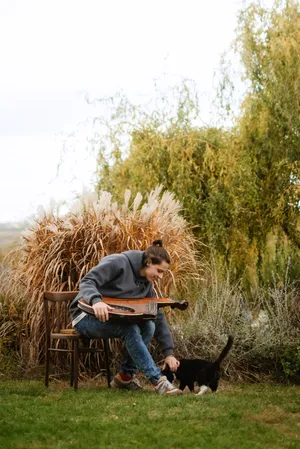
57	251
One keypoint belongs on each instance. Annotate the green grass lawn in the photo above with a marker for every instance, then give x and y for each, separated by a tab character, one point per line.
238	416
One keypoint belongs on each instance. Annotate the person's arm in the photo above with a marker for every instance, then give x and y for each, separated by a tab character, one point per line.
90	285
163	334
164	338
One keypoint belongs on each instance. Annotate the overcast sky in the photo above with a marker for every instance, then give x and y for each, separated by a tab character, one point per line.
52	51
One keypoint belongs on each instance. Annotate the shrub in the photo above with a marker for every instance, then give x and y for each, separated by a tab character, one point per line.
265	326
290	361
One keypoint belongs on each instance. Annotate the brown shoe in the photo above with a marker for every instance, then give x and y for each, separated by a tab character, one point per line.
132	384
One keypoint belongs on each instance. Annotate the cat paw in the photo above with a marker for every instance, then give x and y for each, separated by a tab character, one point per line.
203	390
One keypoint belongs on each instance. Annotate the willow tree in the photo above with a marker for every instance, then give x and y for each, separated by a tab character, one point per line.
203	166
167	147
268	42
237	186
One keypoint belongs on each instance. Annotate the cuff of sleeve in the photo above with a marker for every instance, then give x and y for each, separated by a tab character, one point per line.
167	352
95	300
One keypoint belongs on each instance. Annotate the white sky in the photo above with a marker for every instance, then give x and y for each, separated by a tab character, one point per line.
53	50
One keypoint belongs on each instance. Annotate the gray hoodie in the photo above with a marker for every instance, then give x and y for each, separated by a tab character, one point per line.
118	276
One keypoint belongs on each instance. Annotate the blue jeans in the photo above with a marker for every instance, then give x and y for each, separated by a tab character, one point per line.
136	337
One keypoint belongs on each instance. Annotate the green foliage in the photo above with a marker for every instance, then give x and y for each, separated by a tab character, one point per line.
9	363
202	166
239	187
269	126
290	362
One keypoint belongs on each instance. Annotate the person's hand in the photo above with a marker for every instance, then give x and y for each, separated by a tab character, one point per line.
172	362
101	311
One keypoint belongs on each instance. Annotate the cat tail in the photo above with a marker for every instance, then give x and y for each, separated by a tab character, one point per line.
225	350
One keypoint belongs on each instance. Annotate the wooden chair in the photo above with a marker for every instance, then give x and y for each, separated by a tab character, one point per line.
58	327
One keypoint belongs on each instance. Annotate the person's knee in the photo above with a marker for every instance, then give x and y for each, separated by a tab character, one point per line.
132	329
144	331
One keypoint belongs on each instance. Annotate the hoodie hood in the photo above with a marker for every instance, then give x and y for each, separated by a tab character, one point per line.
135	259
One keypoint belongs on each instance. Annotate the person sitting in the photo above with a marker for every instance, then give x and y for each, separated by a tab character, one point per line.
128	275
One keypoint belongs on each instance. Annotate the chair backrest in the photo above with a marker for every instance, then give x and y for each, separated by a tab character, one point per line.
56	310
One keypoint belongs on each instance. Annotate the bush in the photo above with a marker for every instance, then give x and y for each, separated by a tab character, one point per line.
290	361
265	327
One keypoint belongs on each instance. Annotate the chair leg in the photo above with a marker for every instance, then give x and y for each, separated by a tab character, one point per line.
47	355
72	364
75	366
105	343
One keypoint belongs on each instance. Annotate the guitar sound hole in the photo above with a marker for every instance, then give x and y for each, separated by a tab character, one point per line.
125	309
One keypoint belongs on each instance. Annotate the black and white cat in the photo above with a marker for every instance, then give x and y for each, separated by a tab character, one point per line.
205	373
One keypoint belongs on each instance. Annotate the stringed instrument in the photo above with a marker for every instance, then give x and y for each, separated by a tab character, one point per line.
134	310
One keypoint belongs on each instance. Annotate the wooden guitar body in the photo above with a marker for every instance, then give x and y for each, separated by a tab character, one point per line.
134	310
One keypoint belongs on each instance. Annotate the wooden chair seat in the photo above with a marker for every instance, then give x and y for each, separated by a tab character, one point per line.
69	332
64	336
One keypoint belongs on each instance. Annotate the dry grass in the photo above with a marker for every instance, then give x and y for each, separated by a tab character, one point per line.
262	328
57	251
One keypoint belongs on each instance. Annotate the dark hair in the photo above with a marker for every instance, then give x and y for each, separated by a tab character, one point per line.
156	254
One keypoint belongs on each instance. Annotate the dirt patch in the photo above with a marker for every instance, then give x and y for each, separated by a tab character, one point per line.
279	419
273	415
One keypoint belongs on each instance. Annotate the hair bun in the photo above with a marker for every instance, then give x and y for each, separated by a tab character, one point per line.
157	243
